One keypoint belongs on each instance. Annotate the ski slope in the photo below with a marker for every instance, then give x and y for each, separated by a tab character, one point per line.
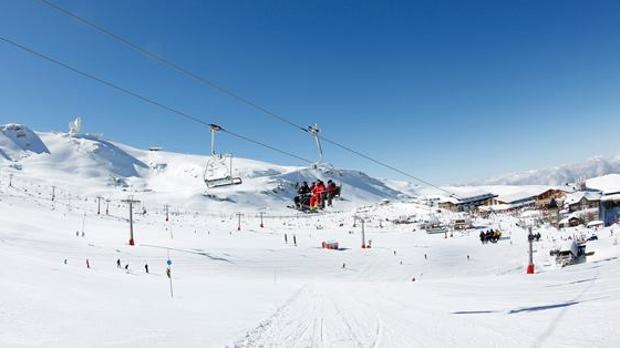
250	287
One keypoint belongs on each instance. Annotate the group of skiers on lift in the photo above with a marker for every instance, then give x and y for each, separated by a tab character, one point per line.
316	196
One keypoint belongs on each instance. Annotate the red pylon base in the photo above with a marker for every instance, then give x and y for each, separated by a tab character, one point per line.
530	269
131	242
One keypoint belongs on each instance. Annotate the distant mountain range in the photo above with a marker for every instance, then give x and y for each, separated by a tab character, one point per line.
560	175
89	161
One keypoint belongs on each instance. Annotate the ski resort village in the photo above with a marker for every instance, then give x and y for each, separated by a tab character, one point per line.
129	245
309	174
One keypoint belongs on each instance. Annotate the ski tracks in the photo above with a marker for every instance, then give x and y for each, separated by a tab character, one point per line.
269	330
313	317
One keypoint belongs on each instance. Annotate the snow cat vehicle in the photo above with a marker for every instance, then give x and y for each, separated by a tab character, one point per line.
434	226
462	223
570	253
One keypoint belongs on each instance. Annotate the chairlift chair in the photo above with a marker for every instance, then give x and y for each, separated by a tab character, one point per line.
219	168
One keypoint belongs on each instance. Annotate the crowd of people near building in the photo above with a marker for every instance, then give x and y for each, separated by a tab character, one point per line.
316	196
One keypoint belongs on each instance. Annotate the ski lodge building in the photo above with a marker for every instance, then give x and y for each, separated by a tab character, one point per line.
595	201
536	199
544	199
469	202
608	187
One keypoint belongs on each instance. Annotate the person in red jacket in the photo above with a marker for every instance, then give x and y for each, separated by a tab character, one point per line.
317	192
313	195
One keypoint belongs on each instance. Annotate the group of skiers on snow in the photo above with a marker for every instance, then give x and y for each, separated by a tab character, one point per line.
490	236
317	195
534	237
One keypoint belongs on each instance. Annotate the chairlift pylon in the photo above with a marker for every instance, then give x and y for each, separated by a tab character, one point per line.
219	168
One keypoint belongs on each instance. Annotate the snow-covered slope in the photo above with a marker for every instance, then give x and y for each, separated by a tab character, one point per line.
18	142
93	165
407	188
561	175
239	283
254	288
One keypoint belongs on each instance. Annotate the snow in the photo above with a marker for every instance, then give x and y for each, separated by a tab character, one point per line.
18	141
89	164
570	245
249	288
505	193
525	194
610	198
607	184
595	223
576	197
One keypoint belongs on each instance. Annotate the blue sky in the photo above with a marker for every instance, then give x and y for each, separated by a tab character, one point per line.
451	91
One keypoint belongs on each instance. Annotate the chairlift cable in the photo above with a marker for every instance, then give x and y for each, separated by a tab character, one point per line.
220	88
145	99
169	63
266	146
344	147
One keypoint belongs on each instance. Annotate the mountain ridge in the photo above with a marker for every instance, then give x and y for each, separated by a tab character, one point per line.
562	174
93	165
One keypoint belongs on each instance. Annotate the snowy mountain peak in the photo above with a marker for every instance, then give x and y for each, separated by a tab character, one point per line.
560	175
18	141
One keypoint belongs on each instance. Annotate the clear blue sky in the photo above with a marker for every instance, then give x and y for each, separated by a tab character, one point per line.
452	91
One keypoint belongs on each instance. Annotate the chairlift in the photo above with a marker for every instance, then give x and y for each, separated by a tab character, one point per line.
314	131
219	169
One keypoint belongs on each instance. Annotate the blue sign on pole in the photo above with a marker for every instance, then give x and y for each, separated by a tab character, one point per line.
169	262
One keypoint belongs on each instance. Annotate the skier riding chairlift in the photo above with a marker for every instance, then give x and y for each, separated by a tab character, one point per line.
313	199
